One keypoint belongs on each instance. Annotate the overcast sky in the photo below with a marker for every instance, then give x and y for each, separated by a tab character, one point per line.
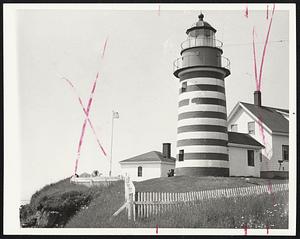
136	79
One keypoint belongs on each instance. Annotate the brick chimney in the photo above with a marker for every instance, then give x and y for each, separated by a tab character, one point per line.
257	98
166	150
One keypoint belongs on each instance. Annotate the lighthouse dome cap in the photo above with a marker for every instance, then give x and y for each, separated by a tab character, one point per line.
200	24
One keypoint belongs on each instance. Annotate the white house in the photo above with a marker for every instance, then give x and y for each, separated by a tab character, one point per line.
153	164
270	127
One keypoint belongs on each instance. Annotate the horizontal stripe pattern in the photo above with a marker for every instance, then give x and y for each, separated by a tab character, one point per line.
210	128
204	80
199	100
200	107
205	156
185	142
184	102
203	149
202	171
203	87
193	74
201	94
199	135
199	121
202	163
204	114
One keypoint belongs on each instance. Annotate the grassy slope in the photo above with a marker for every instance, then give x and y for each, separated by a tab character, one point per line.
68	199
224	212
101	208
220	213
185	183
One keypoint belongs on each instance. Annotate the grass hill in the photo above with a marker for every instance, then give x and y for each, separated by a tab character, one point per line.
63	204
189	183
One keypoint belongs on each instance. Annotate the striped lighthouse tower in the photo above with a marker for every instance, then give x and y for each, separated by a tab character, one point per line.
202	120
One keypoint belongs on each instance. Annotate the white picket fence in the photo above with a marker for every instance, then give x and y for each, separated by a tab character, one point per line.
145	204
95	181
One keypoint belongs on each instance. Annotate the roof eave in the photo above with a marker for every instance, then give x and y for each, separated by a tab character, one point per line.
245	146
255	118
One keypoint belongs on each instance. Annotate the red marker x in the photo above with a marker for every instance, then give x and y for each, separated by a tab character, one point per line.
86	112
87	119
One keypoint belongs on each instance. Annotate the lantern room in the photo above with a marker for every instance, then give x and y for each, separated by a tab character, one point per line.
201	49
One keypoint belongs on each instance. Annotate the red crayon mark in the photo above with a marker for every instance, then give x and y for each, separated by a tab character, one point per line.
104	47
246	12
267	12
270	187
156	228
258	79
265	47
267	226
245	229
86	111
254	58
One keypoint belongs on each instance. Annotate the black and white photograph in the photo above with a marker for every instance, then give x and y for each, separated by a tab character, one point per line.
152	119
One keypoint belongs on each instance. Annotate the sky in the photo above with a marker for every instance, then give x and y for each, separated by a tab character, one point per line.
136	80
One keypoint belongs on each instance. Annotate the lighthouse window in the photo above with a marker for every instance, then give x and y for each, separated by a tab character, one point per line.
183	87
207	32
251	128
251	158
181	155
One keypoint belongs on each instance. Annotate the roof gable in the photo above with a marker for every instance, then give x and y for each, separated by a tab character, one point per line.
270	116
153	156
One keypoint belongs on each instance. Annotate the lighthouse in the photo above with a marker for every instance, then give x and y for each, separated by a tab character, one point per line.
202	119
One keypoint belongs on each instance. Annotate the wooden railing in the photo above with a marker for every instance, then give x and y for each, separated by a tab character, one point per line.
146	204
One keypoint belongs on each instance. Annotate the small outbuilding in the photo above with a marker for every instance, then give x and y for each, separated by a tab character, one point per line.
244	155
153	164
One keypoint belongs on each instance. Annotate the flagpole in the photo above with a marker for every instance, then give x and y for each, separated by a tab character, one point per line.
111	143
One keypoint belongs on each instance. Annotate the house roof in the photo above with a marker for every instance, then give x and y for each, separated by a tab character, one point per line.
149	157
244	139
270	116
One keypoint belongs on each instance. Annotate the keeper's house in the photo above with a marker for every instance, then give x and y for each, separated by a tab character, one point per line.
149	165
270	127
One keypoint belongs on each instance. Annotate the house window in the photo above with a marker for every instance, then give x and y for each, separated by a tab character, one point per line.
251	127
234	128
181	155
251	158
285	152
140	171
183	87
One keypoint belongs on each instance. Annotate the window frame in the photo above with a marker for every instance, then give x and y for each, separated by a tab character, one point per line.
285	148
181	155
232	125
140	171
251	122
183	87
250	152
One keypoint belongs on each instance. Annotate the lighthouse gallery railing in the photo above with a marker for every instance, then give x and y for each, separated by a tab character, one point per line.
201	41
189	61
